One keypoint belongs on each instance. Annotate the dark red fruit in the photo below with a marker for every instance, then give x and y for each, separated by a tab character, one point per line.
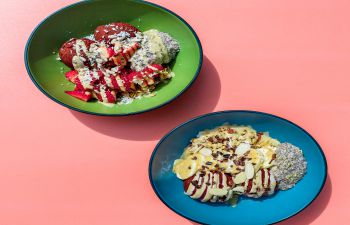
67	51
103	32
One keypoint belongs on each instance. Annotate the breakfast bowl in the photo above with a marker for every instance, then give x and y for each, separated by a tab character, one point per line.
79	20
266	210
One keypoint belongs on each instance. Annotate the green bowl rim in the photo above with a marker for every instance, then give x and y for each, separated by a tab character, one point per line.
150	177
115	114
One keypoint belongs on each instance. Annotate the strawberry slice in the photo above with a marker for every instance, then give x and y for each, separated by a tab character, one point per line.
78	85
110	52
104	94
157	66
122	57
111	96
126	81
127	53
82	95
74	78
114	83
133	75
97	93
72	75
153	70
107	52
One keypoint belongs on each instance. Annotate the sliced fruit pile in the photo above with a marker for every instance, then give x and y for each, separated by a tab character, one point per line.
217	186
228	161
105	86
101	65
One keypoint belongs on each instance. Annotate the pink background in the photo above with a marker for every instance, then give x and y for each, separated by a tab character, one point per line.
289	58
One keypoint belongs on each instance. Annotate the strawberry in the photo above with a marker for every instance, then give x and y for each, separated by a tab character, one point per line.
107	52
114	82
72	75
102	90
132	75
111	96
97	93
122	57
157	66
130	51
126	81
68	51
82	95
110	52
78	85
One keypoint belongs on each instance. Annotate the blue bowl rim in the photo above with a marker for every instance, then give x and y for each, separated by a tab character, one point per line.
233	111
113	114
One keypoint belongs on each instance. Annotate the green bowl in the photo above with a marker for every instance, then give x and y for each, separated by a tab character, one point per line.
79	20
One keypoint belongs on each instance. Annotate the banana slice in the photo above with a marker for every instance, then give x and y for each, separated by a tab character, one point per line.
185	168
257	159
267	156
240	178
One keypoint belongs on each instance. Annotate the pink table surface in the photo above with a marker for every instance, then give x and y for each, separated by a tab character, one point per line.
289	58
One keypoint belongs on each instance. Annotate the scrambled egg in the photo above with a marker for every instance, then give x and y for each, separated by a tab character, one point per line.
227	149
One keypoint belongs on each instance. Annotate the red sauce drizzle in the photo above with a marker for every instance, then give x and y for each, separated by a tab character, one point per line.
229	179
249	186
187	182
127	82
115	83
263	177
220	181
110	97
204	193
97	92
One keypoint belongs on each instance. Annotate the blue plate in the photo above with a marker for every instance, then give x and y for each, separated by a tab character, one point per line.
280	206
